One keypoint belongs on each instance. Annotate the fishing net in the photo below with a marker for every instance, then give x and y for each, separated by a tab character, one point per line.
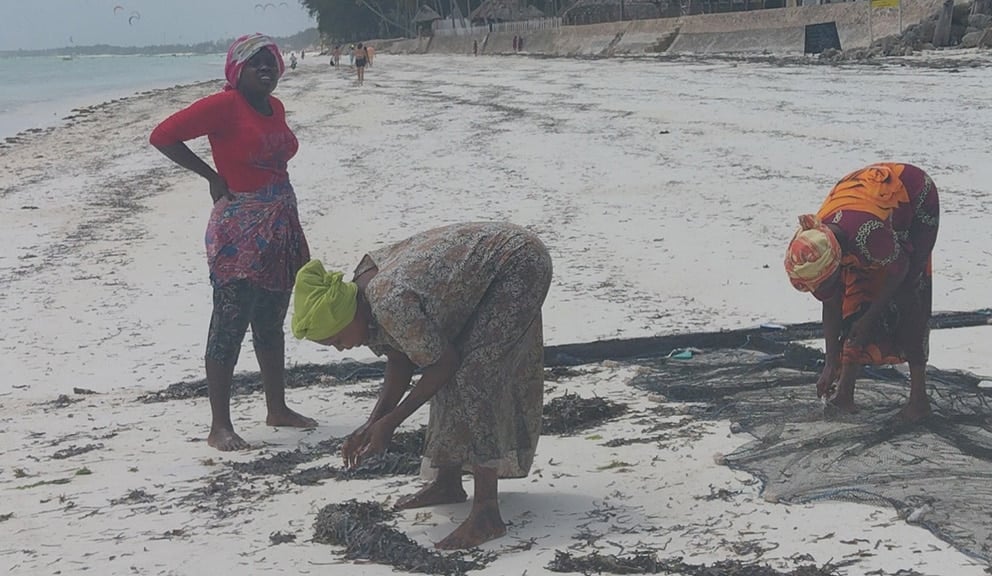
937	474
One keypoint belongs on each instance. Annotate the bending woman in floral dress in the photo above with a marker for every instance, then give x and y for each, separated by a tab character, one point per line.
255	243
463	303
867	256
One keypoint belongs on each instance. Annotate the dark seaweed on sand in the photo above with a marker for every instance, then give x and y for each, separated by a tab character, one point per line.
280	463
360	527
402	458
649	563
571	413
75	451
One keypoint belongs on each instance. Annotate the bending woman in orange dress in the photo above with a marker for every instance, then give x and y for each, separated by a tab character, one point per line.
867	256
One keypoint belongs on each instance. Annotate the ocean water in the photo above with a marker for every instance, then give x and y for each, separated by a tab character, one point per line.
39	91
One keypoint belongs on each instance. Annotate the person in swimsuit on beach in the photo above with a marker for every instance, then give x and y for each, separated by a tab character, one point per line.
462	303
255	244
370	54
361	59
866	254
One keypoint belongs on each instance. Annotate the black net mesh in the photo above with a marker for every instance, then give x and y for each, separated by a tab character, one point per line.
937	474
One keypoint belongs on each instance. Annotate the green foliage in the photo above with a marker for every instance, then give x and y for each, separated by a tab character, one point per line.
342	20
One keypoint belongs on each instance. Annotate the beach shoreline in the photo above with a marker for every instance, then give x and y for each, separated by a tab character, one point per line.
50	89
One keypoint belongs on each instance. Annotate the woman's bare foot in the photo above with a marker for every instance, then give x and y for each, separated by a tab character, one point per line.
914	413
287	417
843	402
482	525
225	440
433	494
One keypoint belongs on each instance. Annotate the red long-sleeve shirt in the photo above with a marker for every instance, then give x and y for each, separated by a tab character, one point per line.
250	150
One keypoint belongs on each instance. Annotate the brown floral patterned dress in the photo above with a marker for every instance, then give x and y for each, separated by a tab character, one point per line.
480	287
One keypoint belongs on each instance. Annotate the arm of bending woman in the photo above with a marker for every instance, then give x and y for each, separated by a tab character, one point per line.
832	326
399	372
379	433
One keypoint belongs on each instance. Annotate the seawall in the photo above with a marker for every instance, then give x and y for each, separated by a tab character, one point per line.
777	31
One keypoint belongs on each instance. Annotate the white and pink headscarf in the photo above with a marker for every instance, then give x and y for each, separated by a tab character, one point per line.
242	50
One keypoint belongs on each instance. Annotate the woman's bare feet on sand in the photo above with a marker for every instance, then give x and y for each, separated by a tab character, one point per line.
225	440
914	412
287	417
433	494
843	401
483	524
841	404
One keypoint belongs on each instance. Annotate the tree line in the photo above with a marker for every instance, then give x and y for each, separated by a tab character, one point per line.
355	20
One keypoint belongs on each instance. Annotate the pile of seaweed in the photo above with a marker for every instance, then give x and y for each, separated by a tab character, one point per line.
571	413
362	529
649	563
564	415
402	457
229	493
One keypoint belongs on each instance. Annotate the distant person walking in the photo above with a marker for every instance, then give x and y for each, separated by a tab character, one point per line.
361	60
336	56
475	47
370	54
516	41
255	244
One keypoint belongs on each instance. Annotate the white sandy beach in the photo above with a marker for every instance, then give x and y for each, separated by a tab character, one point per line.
666	192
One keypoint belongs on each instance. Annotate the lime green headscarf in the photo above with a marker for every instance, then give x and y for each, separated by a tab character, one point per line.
323	304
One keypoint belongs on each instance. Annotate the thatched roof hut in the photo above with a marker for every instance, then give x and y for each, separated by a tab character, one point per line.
594	11
424	20
426	14
505	11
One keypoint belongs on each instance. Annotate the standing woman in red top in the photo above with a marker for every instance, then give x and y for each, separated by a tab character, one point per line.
255	243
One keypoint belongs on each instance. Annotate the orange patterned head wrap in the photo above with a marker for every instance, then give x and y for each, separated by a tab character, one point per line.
813	255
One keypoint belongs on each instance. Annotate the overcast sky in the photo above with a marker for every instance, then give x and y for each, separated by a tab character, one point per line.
35	24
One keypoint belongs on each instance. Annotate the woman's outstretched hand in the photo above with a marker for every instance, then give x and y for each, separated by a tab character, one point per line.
825	385
367	440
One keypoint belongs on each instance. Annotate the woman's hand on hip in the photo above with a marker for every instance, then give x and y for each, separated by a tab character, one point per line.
218	189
